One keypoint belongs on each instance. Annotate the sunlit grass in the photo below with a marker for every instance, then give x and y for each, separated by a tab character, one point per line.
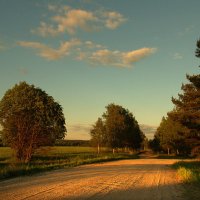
47	158
189	171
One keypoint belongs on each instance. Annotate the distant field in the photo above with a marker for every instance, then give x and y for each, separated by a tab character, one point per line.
47	158
56	151
64	150
5	152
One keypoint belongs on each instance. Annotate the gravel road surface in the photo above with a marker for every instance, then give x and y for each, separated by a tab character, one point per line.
140	179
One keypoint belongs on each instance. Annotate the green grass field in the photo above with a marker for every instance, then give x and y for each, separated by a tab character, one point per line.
47	158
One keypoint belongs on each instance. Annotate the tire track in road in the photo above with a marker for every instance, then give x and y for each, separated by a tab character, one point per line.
120	182
141	179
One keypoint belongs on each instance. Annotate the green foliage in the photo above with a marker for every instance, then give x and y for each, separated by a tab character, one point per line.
170	135
98	133
187	108
154	144
118	128
30	118
198	49
181	129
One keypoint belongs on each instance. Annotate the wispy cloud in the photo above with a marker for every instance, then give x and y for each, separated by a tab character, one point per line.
50	53
83	128
89	51
78	131
119	58
177	56
2	46
136	55
114	20
23	71
92	45
148	130
45	29
106	57
70	20
187	30
65	19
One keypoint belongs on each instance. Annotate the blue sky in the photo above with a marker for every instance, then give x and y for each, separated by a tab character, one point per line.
89	53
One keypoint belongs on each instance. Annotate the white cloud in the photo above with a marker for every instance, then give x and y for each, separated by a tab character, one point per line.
92	45
148	130
136	55
2	46
67	19
114	19
81	56
89	51
51	53
106	57
74	19
57	8
45	29
177	56
120	59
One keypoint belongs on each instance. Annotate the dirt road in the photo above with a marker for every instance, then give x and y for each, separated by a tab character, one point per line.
149	179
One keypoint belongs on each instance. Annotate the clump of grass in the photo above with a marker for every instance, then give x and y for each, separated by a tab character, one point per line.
189	171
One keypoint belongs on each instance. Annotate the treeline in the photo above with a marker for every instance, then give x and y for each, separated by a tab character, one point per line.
179	132
117	128
81	143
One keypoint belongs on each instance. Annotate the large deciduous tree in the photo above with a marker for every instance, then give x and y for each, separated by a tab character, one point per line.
30	118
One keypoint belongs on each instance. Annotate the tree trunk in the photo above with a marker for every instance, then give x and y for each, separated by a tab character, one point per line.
98	148
168	151
113	151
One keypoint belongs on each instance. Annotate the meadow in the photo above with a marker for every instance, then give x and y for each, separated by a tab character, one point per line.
48	158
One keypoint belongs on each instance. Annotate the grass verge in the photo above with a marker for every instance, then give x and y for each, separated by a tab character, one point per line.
56	160
189	172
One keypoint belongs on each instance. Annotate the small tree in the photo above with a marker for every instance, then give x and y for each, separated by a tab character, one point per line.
98	133
30	118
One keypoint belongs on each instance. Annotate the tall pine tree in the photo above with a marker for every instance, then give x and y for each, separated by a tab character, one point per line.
187	106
